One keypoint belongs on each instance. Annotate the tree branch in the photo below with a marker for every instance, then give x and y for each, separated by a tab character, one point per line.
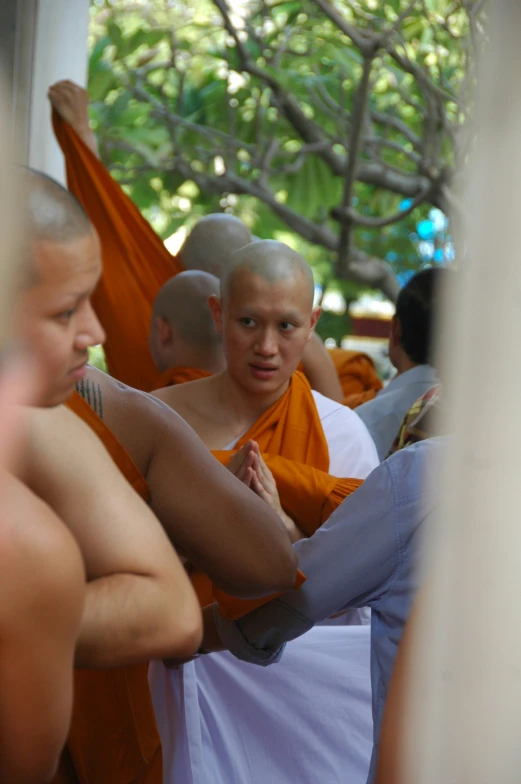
366	45
379	223
355	139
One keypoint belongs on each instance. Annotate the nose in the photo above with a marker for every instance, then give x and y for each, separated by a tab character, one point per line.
266	345
90	332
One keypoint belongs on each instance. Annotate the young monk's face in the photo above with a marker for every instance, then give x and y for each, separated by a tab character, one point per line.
265	327
57	319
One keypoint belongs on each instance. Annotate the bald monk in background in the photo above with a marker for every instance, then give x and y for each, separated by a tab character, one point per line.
136	261
183	340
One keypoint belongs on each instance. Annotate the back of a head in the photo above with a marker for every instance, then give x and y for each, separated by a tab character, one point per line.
212	241
271	260
53	214
183	303
417	307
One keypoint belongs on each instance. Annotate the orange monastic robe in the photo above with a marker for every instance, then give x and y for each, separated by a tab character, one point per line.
292	441
181	375
135	261
113	737
356	372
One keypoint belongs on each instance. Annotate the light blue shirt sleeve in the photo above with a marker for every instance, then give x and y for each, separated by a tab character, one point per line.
349	562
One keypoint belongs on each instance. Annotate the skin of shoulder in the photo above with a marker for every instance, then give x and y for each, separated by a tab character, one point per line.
41	570
192	401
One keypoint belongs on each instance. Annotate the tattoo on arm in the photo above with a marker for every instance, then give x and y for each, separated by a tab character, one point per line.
92	394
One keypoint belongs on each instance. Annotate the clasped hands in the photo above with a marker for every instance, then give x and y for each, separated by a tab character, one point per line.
248	465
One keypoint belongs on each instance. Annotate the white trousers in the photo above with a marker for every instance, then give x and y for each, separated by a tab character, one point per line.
306	719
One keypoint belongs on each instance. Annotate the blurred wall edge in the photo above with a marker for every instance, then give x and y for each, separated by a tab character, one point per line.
41	41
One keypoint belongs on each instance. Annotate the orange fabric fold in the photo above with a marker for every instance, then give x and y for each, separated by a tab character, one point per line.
356	371
291	427
135	261
181	375
113	738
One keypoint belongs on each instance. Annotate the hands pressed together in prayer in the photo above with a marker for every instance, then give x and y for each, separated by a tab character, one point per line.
248	465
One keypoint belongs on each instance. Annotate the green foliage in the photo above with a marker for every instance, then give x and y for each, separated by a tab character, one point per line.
153	62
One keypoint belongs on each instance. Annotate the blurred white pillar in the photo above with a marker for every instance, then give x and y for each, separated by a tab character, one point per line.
60	52
466	702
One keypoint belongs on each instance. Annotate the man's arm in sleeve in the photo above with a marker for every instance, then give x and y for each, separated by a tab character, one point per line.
349	562
217	522
139	601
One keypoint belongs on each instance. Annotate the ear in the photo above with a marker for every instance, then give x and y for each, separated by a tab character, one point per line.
164	330
315	315
216	309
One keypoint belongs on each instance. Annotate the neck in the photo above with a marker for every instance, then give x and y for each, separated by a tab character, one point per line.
403	363
211	361
245	407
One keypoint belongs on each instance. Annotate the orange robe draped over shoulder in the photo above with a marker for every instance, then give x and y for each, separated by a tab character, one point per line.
113	738
135	261
357	375
181	375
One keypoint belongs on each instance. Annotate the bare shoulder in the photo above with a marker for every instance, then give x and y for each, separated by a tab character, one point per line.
136	418
194	401
61	446
49	427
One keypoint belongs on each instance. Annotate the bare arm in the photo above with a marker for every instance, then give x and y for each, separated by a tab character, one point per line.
42	589
320	370
220	525
222	528
71	102
139	601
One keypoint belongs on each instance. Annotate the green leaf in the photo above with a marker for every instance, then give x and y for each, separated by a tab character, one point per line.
101	82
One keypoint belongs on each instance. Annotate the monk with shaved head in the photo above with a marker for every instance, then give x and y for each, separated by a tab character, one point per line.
266	318
41	565
260	417
184	342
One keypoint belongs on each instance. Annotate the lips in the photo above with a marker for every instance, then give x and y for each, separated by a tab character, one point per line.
263	372
79	371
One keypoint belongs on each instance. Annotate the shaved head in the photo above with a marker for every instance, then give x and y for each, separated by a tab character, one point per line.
212	241
273	262
183	302
53	213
